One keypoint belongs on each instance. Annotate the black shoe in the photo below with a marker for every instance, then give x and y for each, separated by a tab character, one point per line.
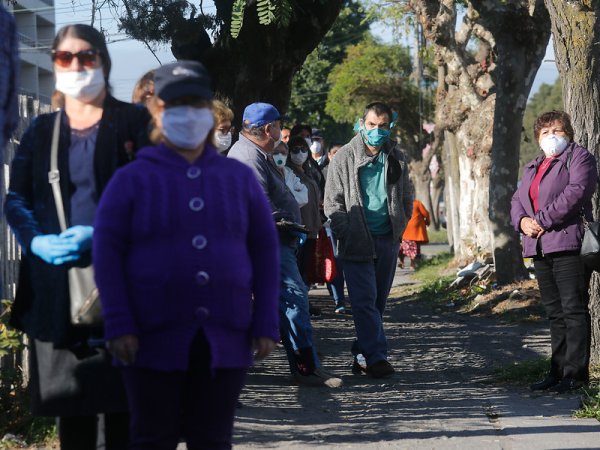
314	311
568	384
546	383
381	369
358	368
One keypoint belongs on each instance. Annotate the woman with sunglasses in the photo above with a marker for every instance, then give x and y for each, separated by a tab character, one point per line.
71	374
299	162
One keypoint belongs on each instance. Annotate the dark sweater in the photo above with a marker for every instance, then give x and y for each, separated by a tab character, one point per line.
41	306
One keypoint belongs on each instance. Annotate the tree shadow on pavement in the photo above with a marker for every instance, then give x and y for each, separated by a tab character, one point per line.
442	388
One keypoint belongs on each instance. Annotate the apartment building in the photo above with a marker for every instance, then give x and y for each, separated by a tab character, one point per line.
35	29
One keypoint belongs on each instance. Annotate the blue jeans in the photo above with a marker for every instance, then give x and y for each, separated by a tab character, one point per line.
295	326
369	284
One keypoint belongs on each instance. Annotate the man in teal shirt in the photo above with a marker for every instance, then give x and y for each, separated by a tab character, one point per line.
369	201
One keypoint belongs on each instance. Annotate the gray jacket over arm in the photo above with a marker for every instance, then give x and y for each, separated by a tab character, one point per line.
344	204
282	201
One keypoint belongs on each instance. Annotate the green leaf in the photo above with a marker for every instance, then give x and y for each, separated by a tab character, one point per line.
237	17
265	12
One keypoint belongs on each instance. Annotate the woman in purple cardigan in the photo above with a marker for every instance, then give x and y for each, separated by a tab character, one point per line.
547	208
186	259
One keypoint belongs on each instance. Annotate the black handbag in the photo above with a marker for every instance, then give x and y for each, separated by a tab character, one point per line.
590	246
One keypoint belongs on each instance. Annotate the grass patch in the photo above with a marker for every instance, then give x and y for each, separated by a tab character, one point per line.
523	372
429	270
590	408
437	236
434	279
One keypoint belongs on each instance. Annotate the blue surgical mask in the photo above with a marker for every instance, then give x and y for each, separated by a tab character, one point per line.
375	137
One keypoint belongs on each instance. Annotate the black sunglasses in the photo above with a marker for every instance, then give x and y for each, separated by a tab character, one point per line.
299	149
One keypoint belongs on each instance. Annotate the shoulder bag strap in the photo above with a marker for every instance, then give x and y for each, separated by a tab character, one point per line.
54	174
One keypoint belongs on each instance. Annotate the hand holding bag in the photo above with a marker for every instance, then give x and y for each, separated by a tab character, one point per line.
83	293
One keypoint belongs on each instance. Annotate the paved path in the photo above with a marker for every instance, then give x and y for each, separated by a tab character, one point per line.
442	396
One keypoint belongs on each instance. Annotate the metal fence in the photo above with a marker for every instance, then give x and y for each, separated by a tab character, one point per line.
10	253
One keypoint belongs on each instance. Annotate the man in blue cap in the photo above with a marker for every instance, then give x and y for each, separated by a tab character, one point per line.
260	134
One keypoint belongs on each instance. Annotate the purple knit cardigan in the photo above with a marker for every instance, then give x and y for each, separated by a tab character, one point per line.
180	247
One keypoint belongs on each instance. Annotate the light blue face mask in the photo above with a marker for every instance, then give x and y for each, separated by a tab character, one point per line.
375	137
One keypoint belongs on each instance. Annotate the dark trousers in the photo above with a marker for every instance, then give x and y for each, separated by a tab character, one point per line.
563	282
195	404
369	285
81	432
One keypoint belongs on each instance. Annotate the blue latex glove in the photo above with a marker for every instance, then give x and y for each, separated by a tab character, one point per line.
80	236
53	249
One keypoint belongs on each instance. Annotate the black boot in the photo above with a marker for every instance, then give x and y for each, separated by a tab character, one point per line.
305	361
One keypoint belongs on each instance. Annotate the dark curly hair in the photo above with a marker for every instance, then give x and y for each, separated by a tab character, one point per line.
550	117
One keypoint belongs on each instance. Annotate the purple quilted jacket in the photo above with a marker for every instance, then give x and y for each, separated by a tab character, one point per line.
565	191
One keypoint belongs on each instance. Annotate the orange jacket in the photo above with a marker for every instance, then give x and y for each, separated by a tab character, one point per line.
416	230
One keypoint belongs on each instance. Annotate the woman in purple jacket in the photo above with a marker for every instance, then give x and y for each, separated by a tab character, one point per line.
547	208
186	259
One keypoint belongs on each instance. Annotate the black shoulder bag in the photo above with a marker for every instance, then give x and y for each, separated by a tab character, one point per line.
590	245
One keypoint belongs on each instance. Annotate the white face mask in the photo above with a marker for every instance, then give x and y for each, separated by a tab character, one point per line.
280	159
186	127
277	141
315	147
299	158
84	85
222	141
308	141
553	145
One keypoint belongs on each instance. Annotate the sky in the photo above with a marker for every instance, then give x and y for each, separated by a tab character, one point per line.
131	59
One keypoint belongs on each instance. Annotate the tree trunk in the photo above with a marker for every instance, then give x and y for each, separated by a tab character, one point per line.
452	191
482	178
521	42
420	177
576	31
437	189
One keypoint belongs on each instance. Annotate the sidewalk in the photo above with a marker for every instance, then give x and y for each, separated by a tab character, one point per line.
442	396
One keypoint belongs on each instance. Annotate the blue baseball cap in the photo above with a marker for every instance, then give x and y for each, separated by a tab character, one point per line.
259	114
182	78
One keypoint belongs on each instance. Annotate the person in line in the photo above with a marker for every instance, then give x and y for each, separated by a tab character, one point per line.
222	133
300	191
311	216
414	235
71	376
336	287
313	170
143	89
317	148
9	76
330	154
548	209
260	135
285	135
302	130
369	200
181	320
